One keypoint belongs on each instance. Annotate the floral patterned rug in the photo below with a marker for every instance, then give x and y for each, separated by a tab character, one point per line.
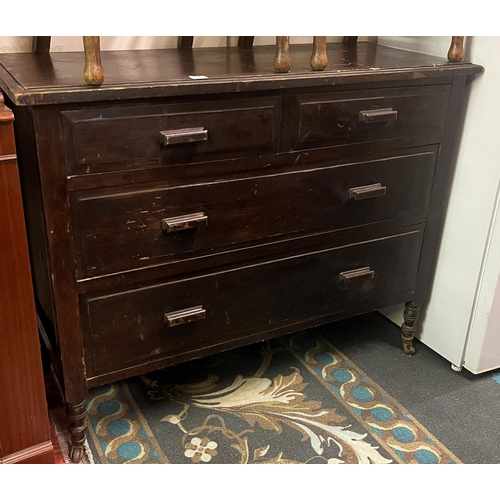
296	399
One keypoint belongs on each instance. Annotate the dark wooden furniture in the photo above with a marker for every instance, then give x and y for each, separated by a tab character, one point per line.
93	72
199	201
24	423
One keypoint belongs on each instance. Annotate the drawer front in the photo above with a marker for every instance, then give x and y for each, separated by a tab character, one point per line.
116	231
155	322
97	139
337	118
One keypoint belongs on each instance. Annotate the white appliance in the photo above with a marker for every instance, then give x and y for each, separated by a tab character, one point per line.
461	322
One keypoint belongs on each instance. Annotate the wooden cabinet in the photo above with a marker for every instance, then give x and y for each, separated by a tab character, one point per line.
172	217
24	420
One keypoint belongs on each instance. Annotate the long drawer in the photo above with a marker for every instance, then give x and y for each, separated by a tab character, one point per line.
116	230
131	137
337	118
154	322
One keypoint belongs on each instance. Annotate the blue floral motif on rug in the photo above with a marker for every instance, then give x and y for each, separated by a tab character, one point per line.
297	399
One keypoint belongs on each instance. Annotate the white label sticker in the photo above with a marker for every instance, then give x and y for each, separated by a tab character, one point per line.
198	77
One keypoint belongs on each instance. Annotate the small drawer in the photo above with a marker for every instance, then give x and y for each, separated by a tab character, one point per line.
124	137
339	118
150	323
116	230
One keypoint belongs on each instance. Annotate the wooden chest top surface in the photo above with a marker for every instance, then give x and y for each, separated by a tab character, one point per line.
56	78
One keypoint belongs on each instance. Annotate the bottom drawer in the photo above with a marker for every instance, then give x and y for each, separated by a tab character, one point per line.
135	327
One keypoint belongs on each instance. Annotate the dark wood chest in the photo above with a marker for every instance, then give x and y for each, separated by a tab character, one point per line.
198	201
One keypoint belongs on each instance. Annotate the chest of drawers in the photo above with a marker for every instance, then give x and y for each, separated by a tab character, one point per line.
170	218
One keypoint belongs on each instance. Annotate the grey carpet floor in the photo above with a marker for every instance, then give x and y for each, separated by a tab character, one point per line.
461	409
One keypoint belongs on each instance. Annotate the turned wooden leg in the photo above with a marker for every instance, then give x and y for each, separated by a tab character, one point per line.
409	327
319	58
93	72
456	52
77	424
282	61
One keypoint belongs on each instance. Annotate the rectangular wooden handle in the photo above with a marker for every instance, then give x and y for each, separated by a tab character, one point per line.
183	222
354	275
378	115
183	136
182	316
368	191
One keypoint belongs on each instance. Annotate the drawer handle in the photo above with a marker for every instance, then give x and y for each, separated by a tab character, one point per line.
368	191
378	115
189	315
183	222
183	136
360	274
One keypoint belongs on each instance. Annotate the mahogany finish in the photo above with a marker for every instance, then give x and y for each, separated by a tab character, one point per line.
172	218
24	422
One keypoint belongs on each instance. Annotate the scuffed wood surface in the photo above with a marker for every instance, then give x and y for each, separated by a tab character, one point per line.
56	77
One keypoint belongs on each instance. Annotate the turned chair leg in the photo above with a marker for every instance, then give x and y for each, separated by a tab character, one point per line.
93	72
319	58
409	327
282	61
76	415
456	52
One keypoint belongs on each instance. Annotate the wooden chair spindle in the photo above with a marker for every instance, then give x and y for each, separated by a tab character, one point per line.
319	58
456	52
93	72
282	61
